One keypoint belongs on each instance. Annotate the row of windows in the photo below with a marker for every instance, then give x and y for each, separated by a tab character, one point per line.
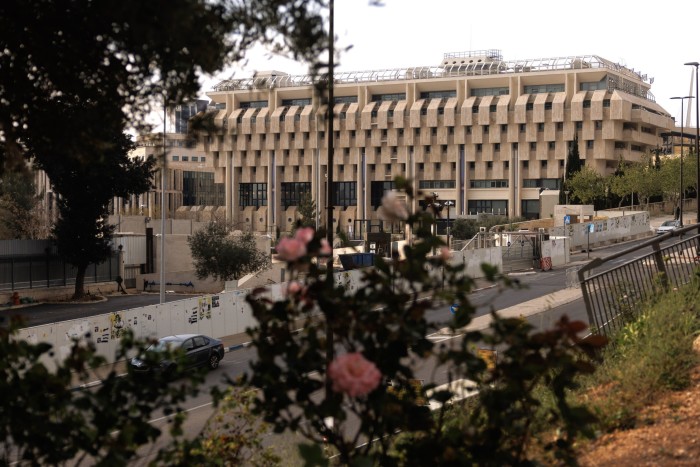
189	159
488	183
436	184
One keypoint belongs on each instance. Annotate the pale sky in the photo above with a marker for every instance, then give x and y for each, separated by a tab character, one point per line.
652	38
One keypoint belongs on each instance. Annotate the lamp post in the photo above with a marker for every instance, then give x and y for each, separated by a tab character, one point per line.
697	143
682	99
566	193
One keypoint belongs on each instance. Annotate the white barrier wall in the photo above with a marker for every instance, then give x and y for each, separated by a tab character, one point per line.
613	229
215	315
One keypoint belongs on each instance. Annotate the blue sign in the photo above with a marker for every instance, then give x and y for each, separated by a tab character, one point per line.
591	228
454	308
567	220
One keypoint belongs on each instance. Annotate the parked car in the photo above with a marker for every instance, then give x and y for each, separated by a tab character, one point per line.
195	350
668	226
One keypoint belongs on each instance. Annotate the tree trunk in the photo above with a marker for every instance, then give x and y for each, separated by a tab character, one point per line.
79	291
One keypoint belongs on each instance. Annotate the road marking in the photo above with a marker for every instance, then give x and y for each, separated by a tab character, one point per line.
188	410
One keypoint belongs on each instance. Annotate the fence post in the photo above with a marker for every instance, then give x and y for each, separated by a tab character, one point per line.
660	265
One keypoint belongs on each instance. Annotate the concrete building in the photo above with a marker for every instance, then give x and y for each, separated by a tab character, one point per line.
477	130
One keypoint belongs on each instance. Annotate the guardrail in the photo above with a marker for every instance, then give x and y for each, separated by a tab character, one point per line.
614	296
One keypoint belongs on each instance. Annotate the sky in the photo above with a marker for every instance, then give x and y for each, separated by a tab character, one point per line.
404	33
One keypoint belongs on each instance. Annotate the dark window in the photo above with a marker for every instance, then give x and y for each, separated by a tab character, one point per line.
488	183
547	106
530	208
436	184
495	206
297	102
497	147
550	183
252	194
529	106
587	104
292	193
344	194
377	192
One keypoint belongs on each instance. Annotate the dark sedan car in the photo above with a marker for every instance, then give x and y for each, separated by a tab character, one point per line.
195	350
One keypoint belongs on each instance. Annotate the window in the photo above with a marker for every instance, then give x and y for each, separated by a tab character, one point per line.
343	115
478	147
551	145
185	159
620	145
475	109
345	99
587	104
438	166
506	165
549	183
486	129
542	88
530	208
595	86
426	149
522	128
560	126
293	192
252	194
297	102
433	131
176	158
469	129
417	132
495	206
543	164
526	164
488	183
598	124
344	194
483	92
533	146
377	191
421	166
529	106
492	108
579	125
589	144
636	147
606	102
253	104
389	97
547	106
504	128
436	184
540	127
438	94
489	165
444	148
472	165
497	147
202	159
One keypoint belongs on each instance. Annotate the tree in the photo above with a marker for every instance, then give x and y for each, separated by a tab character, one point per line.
88	175
573	165
587	185
218	253
306	211
21	214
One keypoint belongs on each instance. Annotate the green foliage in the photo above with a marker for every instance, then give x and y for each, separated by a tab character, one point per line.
587	185
21	215
386	321
44	421
217	253
233	436
652	354
306	212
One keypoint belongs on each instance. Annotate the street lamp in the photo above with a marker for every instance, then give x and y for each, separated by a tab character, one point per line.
697	143
566	193
682	99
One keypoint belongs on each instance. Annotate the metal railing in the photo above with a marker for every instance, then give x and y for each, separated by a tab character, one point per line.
614	294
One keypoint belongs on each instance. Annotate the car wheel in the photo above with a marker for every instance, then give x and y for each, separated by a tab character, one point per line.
213	361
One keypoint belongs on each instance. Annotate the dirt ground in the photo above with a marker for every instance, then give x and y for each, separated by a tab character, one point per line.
668	434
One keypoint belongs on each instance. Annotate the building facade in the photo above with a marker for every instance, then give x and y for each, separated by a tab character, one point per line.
484	133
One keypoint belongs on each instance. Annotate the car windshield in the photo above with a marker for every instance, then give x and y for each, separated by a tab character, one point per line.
668	224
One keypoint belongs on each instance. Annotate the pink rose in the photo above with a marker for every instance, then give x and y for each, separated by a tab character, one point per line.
354	375
290	249
325	247
304	234
445	253
393	207
293	288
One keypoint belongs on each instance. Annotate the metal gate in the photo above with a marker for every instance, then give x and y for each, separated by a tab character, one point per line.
130	273
520	251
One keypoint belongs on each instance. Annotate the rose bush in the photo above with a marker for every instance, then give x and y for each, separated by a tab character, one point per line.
323	357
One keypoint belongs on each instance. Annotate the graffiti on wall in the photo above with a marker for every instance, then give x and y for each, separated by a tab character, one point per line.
118	325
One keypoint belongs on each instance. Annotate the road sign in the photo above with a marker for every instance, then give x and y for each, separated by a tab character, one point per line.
567	220
591	228
454	308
